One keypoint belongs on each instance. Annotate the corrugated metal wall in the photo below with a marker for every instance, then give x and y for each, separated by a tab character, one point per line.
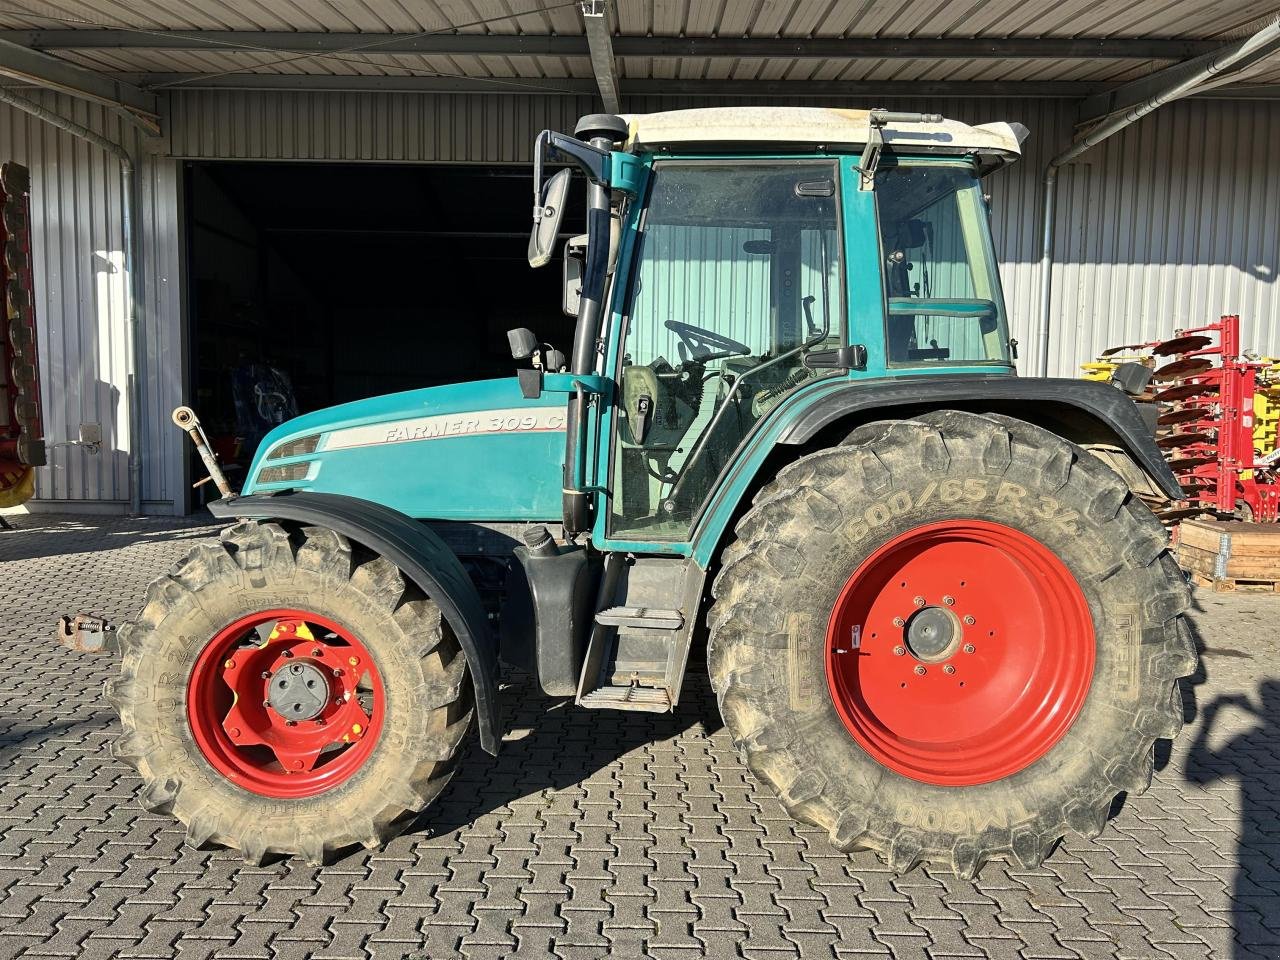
80	305
418	128
1169	224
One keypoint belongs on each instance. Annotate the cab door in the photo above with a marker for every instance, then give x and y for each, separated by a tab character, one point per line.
736	275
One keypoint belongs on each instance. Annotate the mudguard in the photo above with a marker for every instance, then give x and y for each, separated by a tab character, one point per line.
1079	410
419	553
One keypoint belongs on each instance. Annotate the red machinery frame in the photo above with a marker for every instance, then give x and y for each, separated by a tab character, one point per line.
21	428
1219	469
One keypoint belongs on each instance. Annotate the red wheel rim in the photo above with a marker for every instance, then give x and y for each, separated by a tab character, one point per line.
252	693
960	652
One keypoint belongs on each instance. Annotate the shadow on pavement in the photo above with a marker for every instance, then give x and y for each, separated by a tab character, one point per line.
554	745
46	535
1243	757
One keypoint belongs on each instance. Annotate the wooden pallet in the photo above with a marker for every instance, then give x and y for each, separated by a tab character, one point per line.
1230	556
1234	584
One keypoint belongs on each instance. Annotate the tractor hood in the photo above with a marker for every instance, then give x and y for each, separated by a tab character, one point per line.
466	451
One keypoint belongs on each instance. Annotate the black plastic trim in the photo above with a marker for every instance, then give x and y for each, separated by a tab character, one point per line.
423	557
1101	402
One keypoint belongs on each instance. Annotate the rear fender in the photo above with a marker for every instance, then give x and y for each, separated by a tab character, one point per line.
420	554
1085	412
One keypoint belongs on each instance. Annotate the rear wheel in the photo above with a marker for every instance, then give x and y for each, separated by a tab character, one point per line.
285	693
950	639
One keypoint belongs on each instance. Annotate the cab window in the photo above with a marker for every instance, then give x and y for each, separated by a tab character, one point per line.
944	304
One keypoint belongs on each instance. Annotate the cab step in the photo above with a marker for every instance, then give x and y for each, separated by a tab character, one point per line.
627	698
638	647
646	617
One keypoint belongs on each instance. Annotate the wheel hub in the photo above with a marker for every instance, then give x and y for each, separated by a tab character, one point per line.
960	652
285	703
299	691
933	634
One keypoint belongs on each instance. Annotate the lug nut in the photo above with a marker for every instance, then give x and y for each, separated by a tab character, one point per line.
353	661
228	664
949	601
969	648
266	674
969	621
291	723
899	651
235	732
920	669
287	653
899	622
356	728
337	672
317	652
948	669
918	601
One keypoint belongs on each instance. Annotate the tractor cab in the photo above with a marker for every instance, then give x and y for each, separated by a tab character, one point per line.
739	259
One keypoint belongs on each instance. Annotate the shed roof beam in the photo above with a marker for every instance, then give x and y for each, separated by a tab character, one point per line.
1197	75
852	48
765	89
595	19
782	89
38	69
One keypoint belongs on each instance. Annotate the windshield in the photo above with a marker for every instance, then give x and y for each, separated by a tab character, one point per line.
738	275
944	300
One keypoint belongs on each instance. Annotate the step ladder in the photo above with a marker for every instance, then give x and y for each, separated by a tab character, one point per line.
637	650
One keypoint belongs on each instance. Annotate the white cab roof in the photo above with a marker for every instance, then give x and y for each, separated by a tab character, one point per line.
813	127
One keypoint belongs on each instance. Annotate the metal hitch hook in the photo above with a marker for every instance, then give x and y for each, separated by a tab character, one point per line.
184	418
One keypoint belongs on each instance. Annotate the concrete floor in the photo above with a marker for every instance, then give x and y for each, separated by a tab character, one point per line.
600	834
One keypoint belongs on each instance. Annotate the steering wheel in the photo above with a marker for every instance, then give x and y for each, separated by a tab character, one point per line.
704	345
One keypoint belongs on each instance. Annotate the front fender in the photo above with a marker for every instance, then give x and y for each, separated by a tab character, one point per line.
420	554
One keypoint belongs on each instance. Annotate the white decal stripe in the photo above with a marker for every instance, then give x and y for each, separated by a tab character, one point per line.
442	426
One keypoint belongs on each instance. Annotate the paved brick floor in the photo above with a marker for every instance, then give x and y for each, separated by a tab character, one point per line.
598	834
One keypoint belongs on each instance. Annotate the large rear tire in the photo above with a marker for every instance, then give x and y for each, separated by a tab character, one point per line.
283	692
950	639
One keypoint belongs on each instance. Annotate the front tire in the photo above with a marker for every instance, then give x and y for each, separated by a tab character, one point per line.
283	692
950	639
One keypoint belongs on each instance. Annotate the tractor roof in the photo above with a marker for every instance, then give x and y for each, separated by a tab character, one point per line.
716	128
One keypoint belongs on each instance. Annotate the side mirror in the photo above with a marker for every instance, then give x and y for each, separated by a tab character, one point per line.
575	261
524	343
547	216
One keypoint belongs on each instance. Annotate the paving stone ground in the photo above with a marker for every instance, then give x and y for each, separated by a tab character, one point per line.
598	834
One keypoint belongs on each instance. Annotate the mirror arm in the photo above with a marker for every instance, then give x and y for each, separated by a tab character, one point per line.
592	161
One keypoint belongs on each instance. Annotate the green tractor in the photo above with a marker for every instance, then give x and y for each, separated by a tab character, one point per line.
937	620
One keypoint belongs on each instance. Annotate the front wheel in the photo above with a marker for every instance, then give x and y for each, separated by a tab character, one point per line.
283	692
950	639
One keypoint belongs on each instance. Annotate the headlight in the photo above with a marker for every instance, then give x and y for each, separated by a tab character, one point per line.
292	471
295	448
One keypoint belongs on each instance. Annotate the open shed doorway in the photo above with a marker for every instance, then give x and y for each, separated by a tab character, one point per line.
313	284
